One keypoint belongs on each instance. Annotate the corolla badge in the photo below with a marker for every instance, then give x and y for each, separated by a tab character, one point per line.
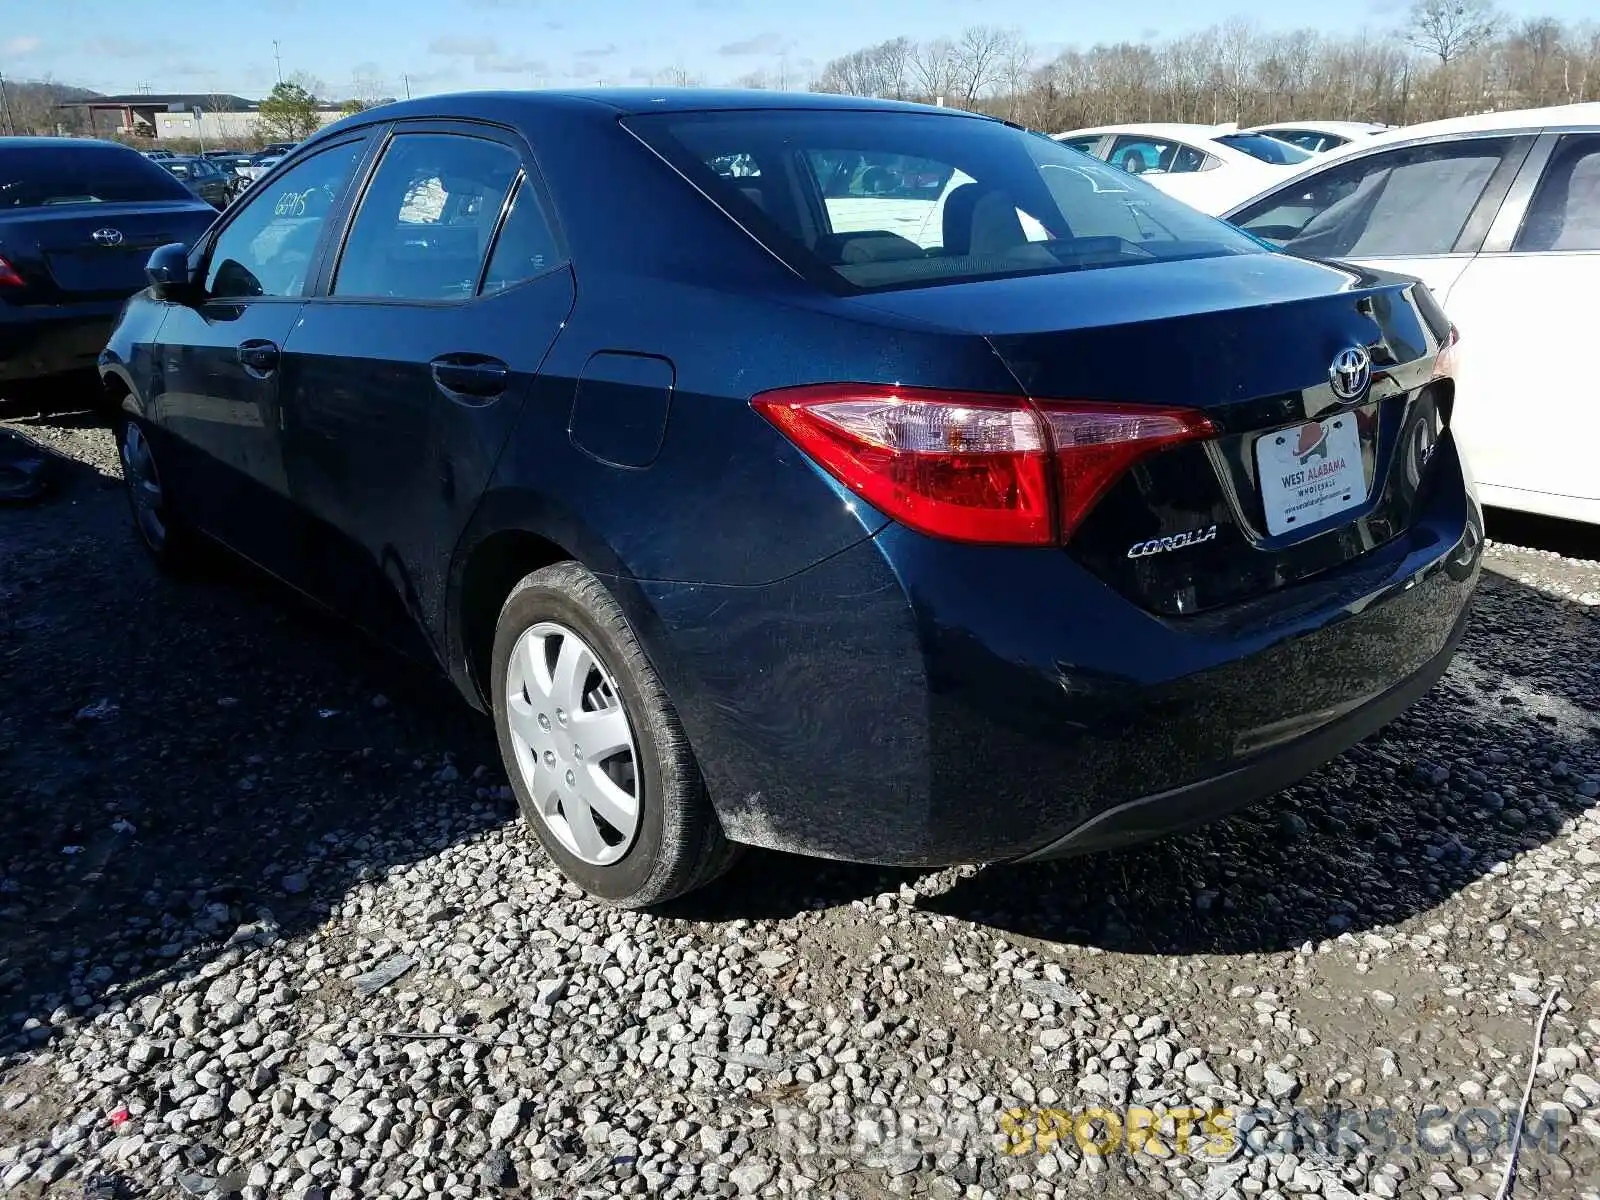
107	236
1178	541
1350	372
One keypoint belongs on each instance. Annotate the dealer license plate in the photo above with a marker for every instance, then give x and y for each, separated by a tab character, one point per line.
1310	472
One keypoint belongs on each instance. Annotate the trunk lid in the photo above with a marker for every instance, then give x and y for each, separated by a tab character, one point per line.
1298	479
91	251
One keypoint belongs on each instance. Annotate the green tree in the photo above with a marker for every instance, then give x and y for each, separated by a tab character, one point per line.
352	106
289	113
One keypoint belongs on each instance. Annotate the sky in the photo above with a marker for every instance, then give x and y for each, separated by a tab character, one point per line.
374	48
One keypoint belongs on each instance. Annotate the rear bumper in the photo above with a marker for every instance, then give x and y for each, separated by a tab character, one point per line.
1150	817
39	340
916	702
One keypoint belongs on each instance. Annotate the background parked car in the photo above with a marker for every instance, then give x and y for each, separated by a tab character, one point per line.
1318	137
1204	166
1500	215
202	177
78	219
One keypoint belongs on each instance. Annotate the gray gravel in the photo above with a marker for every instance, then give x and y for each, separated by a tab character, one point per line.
268	928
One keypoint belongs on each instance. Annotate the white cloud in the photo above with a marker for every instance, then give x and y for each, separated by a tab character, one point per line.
21	45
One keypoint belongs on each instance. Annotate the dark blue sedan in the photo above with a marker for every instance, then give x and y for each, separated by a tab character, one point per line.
78	219
850	478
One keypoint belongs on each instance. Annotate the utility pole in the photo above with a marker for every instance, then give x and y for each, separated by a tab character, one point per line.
5	105
406	81
277	54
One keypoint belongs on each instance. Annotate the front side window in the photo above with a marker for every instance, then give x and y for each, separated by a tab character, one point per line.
268	249
1007	203
428	216
1565	212
1143	155
1408	202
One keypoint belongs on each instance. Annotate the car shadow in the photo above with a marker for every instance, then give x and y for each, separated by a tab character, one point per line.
180	759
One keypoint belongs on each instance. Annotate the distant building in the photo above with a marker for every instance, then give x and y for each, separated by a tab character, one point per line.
180	116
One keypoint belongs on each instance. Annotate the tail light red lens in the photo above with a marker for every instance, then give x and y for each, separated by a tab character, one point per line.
1095	444
974	467
966	467
9	276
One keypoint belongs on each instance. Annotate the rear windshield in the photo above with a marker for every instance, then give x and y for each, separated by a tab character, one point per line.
32	177
886	199
1267	149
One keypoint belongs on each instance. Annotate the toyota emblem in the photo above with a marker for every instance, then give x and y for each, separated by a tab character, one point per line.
1350	373
107	236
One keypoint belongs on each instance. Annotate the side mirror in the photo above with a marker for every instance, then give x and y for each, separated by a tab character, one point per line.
168	272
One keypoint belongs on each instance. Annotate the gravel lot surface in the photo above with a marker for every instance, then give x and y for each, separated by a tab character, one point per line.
268	926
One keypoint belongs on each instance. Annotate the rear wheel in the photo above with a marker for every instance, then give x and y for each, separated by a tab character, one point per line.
593	746
167	539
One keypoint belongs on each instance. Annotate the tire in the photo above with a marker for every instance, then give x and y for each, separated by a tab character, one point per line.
171	544
675	844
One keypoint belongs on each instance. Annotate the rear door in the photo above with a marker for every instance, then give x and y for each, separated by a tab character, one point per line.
219	359
405	375
1529	410
1420	209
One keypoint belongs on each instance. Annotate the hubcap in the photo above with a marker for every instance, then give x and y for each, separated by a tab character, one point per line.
573	743
144	485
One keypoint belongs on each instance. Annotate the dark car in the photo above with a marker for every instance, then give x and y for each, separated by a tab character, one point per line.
1027	515
78	220
210	181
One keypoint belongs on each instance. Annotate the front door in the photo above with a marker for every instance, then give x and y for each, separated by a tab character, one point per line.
1528	412
221	361
404	378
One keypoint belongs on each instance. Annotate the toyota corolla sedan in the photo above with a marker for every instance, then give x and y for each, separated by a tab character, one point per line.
78	219
754	522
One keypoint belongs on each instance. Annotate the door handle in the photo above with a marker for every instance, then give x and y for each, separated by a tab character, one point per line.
259	357
472	375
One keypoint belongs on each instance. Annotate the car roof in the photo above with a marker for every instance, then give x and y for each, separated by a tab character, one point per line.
507	107
1522	120
1341	127
60	143
1167	129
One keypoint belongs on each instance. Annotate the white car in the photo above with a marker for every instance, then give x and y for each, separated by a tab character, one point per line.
1208	167
1500	215
1318	137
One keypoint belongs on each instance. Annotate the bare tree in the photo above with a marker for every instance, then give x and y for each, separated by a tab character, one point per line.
978	58
1450	28
933	68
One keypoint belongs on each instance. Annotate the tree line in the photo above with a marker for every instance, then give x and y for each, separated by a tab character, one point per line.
1449	58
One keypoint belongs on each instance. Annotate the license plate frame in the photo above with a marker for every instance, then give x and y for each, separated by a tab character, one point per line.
1309	472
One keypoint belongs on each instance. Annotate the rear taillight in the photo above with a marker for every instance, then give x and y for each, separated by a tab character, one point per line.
1444	365
1095	444
9	276
971	467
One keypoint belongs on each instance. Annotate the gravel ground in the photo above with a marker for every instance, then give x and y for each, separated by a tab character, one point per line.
268	926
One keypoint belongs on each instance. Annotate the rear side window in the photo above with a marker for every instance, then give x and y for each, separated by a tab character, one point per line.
428	216
1409	202
1084	145
267	250
42	177
882	199
525	247
1267	149
1565	213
